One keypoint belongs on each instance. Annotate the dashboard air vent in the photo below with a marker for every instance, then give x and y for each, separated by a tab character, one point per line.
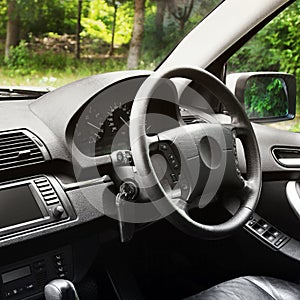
18	149
190	119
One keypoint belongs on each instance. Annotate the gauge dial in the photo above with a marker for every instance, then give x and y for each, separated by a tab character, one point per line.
118	116
89	131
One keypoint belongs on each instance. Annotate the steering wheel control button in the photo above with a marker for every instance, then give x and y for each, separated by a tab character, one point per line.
174	177
174	165
163	147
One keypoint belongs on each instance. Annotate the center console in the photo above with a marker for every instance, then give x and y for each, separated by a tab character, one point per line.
28	277
27	206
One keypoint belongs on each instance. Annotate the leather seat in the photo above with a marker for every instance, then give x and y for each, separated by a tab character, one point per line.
251	288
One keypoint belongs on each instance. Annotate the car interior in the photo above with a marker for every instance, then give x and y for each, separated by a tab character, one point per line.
154	184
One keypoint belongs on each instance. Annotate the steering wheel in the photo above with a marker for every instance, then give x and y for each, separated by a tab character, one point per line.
209	146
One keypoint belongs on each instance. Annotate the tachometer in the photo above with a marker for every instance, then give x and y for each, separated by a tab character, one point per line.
90	130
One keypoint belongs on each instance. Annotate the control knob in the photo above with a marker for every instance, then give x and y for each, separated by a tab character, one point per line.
58	211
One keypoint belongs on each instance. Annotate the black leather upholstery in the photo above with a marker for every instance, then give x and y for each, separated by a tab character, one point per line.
60	289
251	288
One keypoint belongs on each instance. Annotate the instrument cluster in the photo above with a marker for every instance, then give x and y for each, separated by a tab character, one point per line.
102	126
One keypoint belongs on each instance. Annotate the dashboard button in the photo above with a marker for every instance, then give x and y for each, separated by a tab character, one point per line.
40	180
54	201
47	193
42	184
59	263
58	211
15	292
50	197
8	294
58	257
29	286
46	188
39	264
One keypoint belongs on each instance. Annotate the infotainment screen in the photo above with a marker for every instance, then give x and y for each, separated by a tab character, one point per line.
17	205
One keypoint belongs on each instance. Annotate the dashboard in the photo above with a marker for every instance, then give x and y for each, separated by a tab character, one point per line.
78	126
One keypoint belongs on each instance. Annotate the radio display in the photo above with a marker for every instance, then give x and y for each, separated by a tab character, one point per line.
17	205
16	274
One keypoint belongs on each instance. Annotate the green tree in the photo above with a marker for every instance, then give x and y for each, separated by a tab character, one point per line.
98	23
274	48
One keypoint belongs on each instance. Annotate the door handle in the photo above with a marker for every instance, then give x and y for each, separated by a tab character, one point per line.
287	157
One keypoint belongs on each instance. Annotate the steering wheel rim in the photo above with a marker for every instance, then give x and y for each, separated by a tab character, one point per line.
140	144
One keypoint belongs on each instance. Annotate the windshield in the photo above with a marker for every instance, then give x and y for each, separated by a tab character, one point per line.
54	42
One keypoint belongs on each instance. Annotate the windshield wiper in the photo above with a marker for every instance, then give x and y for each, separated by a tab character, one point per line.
22	93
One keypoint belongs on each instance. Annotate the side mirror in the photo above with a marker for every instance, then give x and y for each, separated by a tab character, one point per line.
266	96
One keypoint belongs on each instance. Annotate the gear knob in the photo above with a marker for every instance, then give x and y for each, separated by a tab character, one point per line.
60	289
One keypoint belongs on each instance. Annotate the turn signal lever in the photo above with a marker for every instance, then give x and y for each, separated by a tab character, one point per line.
60	289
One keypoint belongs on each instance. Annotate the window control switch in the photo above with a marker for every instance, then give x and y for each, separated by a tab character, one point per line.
258	228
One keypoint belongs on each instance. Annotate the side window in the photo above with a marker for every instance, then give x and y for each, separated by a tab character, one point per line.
275	48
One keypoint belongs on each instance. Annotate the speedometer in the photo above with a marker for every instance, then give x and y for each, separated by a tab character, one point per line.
118	116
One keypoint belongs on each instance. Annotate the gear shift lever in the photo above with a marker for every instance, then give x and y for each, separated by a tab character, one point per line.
60	289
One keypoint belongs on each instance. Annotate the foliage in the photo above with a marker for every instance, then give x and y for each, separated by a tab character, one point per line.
265	97
23	61
19	59
3	18
98	23
58	16
295	128
54	69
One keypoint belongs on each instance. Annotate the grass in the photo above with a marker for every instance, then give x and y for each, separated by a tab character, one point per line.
48	70
296	127
56	77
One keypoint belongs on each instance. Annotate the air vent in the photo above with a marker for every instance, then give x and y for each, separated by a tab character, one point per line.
18	149
192	119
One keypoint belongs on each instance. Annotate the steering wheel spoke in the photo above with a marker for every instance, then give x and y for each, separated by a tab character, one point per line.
152	141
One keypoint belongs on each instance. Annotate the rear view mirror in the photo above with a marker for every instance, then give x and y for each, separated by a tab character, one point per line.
266	96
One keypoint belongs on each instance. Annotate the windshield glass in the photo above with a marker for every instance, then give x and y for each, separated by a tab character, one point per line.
53	42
